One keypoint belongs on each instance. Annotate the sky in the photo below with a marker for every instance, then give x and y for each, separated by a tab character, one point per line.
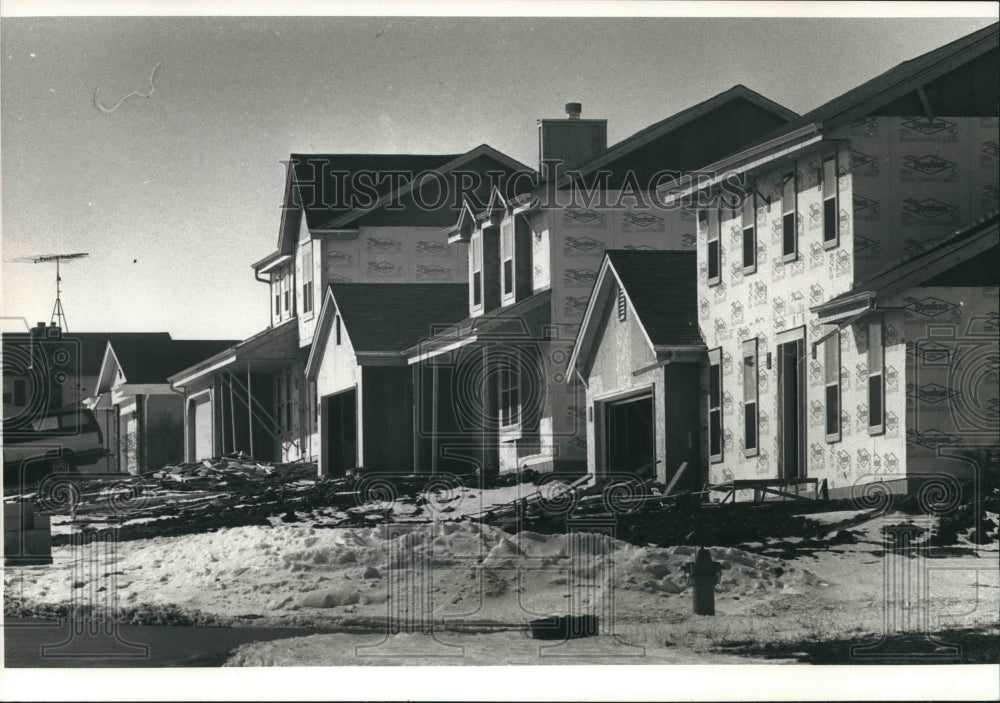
175	195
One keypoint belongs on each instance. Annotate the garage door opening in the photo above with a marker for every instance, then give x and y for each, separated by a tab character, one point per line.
200	424
340	432
629	436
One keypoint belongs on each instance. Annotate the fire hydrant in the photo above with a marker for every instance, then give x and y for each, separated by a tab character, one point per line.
704	574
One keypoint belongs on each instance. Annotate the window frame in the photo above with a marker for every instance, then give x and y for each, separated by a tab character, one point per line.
715	374
832	160
508	285
832	382
509	395
790	209
750	199
307	279
714	237
876	378
476	269
337	327
750	348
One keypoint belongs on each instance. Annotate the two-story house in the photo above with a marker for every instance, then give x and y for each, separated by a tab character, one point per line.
491	392
346	218
847	287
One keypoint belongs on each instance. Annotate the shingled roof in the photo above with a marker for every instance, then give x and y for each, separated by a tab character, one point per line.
391	317
340	174
965	244
152	361
662	288
899	80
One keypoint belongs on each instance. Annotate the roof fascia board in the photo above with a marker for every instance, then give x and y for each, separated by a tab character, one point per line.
581	345
281	260
105	384
318	345
749	159
911	83
178	381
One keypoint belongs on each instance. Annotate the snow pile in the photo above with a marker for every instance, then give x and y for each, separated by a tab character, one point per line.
464	568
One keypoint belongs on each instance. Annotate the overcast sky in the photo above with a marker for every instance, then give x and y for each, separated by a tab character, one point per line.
176	195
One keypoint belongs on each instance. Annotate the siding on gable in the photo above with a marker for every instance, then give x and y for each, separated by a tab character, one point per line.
917	180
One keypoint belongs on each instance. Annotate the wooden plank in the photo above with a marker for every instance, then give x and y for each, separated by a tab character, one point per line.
675	479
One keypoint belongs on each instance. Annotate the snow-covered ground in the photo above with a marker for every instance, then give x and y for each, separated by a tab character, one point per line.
462	583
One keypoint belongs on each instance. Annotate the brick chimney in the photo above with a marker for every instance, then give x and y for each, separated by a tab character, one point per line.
572	140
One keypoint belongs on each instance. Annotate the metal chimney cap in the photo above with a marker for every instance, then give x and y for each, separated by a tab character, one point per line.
573	110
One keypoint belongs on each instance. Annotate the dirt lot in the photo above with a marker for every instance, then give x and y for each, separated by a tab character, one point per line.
442	576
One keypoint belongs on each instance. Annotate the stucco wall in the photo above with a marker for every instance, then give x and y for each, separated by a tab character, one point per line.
622	349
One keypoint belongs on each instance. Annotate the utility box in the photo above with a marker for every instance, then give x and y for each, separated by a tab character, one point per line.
27	536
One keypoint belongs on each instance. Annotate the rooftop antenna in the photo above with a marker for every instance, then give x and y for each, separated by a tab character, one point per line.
58	315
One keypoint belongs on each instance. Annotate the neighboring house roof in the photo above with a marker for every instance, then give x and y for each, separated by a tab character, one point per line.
269	350
93	344
342	174
390	317
917	268
661	288
898	80
640	141
153	361
883	90
524	320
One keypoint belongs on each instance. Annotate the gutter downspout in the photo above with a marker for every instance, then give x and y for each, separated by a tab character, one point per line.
270	318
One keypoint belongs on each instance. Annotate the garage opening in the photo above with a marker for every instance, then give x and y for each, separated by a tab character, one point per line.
200	423
340	422
629	435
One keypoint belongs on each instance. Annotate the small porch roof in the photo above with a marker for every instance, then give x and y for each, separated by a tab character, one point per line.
272	349
502	324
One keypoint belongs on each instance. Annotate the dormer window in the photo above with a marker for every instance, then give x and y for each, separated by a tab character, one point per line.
507	256
307	279
476	267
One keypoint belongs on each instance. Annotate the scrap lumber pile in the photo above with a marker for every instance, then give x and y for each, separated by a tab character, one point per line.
229	491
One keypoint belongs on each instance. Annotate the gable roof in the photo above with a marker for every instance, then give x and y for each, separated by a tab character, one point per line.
362	180
387	318
883	89
92	345
908	271
898	80
662	290
643	137
644	143
152	361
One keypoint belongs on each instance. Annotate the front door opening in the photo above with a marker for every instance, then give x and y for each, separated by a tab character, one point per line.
629	436
791	409
341	428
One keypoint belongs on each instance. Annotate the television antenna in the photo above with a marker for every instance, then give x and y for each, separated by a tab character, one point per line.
58	314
